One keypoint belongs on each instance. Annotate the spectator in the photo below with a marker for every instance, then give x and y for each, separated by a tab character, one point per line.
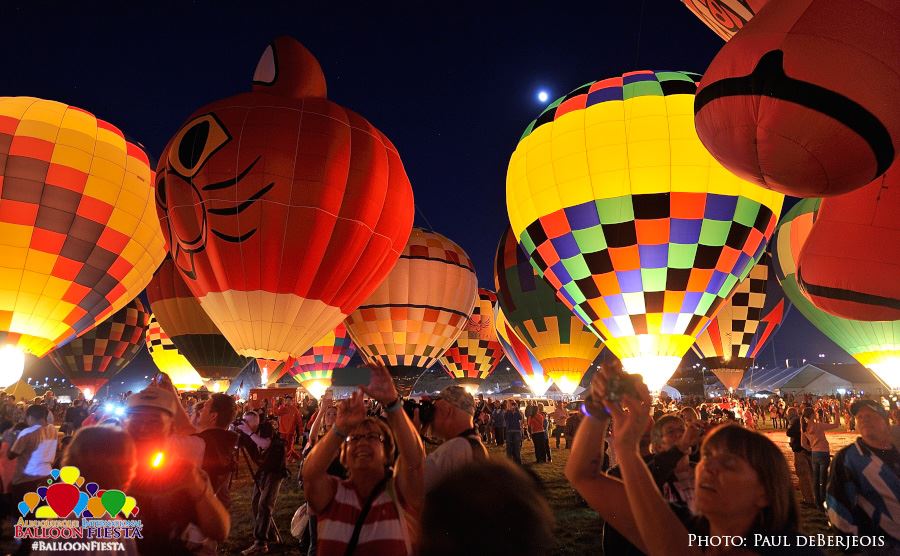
34	450
560	417
742	466
174	493
103	455
76	414
373	510
494	492
813	439
514	421
265	447
290	422
499	423
802	463
219	444
539	436
864	487
453	409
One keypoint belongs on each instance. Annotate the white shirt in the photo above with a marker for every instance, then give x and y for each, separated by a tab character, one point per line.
449	456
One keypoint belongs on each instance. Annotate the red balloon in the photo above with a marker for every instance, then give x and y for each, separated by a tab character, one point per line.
802	99
282	210
850	263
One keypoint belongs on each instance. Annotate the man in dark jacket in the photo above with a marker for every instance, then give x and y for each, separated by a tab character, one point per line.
802	457
265	447
220	452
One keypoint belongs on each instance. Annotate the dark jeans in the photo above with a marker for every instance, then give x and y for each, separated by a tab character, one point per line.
820	476
17	491
499	435
265	491
541	446
557	433
514	445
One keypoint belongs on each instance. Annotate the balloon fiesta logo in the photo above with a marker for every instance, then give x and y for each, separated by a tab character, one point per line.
62	510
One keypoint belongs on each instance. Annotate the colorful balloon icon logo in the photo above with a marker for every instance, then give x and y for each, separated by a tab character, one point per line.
69	474
64	497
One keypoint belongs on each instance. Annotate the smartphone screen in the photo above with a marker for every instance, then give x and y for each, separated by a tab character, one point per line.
351	376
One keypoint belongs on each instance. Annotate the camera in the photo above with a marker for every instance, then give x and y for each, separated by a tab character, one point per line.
425	407
619	385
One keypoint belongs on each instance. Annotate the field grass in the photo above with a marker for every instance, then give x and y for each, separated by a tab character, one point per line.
577	526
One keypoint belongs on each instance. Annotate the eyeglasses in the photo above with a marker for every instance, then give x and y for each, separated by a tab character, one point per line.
369	437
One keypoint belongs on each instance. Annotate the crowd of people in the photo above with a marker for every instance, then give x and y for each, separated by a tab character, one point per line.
658	472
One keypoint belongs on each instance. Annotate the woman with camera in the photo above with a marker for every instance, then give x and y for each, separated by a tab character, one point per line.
377	508
744	500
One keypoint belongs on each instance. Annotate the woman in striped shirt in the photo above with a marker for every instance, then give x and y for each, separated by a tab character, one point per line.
376	510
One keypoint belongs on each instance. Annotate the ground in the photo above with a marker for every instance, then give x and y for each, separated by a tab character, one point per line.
577	526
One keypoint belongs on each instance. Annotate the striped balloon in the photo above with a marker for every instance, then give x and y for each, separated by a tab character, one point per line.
169	360
525	363
313	369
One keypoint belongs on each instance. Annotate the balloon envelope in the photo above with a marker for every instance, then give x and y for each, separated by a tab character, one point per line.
169	360
525	363
190	328
282	210
874	344
419	310
565	347
98	355
621	209
850	263
313	369
78	237
476	352
725	17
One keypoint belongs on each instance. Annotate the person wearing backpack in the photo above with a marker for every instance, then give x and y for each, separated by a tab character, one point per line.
454	409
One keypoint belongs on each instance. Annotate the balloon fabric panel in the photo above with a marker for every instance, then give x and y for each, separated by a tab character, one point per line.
169	360
190	328
420	309
76	221
565	347
621	209
517	352
796	101
725	17
333	351
874	344
283	213
850	264
477	351
107	348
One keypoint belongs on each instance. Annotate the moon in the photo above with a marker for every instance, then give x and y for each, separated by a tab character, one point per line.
542	96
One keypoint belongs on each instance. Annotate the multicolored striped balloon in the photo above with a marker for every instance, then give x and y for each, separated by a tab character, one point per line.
565	347
875	344
623	211
169	360
93	358
732	339
525	363
313	369
78	237
476	352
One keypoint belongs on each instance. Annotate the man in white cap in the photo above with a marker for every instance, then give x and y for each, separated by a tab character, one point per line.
175	496
453	421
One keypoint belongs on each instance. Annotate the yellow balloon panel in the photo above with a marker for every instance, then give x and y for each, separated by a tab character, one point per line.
169	360
79	237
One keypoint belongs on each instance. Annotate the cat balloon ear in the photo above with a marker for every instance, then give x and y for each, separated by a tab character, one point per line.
287	68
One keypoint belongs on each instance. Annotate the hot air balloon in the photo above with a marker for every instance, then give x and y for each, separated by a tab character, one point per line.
525	363
282	210
798	101
725	17
169	360
96	356
419	310
850	264
313	369
190	328
476	352
638	229
78	236
730	342
271	370
875	344
565	347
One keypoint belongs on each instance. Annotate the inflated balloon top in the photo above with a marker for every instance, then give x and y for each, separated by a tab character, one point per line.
875	344
802	99
476	352
78	236
850	264
282	210
725	17
626	215
169	360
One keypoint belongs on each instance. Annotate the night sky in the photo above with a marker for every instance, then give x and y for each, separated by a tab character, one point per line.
453	88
